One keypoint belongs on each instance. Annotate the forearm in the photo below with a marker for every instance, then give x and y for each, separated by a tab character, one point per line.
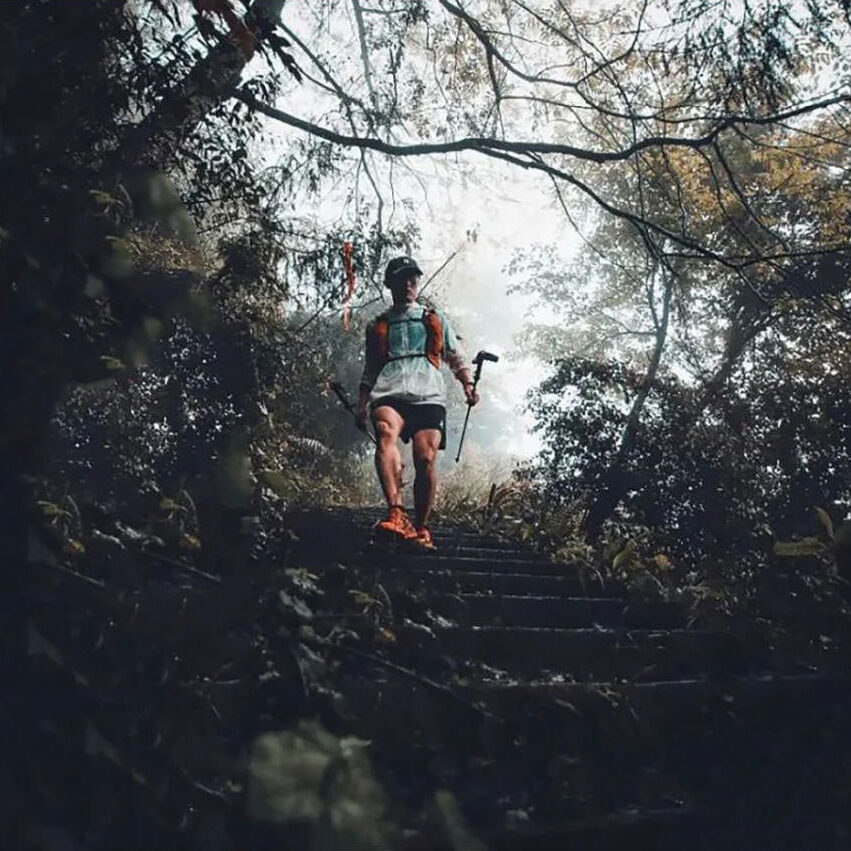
455	361
371	367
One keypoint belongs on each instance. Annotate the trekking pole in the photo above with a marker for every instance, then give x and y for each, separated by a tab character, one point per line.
347	404
478	360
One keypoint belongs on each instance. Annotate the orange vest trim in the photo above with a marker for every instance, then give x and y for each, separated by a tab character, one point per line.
434	338
380	342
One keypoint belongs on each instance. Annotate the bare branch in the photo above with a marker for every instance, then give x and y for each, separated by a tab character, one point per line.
487	144
364	50
526	155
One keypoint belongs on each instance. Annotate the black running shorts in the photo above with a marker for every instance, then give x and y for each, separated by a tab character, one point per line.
417	417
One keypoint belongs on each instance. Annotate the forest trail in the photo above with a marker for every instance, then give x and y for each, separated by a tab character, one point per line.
178	631
550	709
595	720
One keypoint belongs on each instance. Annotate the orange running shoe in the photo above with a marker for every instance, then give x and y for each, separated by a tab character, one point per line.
398	524
423	539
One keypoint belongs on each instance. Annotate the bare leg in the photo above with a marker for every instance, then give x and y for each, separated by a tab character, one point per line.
425	445
388	461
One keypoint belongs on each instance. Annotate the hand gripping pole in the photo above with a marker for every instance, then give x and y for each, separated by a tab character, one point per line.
478	360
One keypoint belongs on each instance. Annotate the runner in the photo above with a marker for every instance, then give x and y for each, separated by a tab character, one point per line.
404	391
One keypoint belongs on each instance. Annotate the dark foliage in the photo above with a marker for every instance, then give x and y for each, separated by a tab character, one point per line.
137	376
167	353
717	475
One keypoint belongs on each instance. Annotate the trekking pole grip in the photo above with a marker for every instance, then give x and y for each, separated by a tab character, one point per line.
478	360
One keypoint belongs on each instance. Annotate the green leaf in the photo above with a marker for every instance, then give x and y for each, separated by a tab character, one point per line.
625	556
153	327
361	598
295	605
94	287
117	257
804	547
51	509
112	363
233	474
460	835
277	482
103	198
826	522
309	776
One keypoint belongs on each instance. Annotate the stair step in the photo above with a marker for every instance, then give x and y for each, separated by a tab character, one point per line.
556	611
450	540
617	720
479	565
311	523
647	700
366	518
583	653
669	829
494	553
555	770
483	582
580	718
451	551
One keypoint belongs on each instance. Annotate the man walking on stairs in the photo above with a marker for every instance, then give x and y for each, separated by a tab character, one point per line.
403	390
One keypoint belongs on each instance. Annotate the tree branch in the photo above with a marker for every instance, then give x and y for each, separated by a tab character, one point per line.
484	144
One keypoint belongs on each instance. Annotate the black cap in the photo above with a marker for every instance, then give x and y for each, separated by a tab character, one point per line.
400	267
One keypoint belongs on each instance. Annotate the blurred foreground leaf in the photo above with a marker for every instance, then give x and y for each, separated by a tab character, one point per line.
804	547
310	775
233	474
826	522
460	835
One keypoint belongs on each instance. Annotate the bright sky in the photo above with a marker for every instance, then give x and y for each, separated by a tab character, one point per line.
506	207
451	197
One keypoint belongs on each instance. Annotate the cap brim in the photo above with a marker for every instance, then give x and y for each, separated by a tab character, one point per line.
406	270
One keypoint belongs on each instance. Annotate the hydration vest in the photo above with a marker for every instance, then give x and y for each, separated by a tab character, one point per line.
433	350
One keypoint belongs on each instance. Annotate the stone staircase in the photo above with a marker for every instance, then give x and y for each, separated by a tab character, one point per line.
575	717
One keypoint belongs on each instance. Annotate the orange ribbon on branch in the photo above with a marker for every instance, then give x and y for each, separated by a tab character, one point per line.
348	251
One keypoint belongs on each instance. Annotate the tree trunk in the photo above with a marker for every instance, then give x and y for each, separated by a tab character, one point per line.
614	482
209	83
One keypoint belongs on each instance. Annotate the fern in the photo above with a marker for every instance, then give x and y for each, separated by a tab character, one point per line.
317	448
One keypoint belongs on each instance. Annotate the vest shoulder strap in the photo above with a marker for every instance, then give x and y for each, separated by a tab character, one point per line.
434	336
